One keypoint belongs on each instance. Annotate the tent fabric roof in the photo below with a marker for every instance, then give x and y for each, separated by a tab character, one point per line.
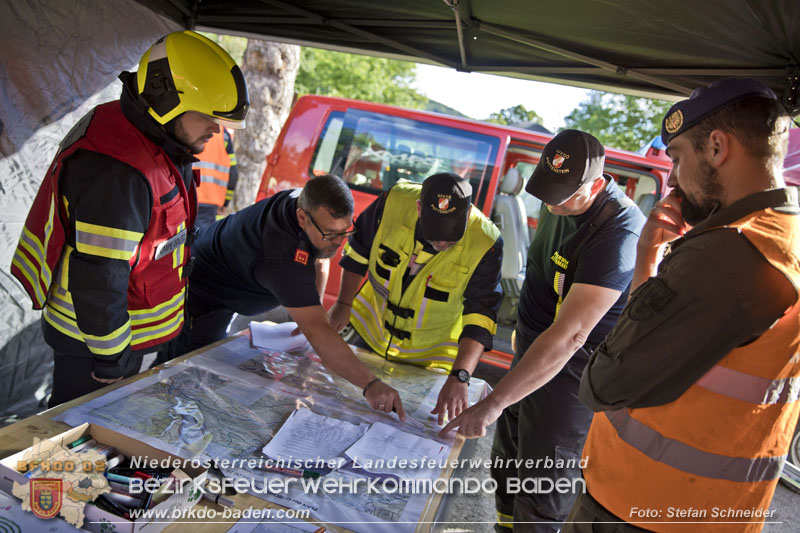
656	49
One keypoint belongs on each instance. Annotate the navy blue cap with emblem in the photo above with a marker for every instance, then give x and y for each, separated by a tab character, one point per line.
445	204
707	100
571	159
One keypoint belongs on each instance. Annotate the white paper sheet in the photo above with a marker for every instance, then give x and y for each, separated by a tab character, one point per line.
387	451
307	436
278	337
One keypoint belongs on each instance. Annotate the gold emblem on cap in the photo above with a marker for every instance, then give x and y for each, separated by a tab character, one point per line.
557	162
443	204
674	122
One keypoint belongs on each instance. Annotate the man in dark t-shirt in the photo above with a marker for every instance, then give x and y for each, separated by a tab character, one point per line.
265	256
603	260
579	270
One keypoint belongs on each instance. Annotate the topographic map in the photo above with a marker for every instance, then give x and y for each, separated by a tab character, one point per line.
228	402
200	412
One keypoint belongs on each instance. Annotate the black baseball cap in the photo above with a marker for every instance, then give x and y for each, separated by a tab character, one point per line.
707	100
445	201
569	160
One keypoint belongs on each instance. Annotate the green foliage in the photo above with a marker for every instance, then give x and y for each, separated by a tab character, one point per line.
514	115
618	120
360	77
439	107
235	46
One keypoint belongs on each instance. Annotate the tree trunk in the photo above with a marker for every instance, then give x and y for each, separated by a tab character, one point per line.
270	70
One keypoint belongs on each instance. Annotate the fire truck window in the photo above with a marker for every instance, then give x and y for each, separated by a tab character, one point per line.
373	151
326	149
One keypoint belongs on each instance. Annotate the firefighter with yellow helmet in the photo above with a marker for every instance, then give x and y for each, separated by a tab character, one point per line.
105	248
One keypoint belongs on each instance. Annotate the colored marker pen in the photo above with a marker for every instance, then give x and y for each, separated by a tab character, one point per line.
118	478
79	441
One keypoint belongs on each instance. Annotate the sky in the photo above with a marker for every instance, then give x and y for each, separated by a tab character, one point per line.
480	95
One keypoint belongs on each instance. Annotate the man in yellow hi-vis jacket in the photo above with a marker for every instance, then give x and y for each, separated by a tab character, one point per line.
433	281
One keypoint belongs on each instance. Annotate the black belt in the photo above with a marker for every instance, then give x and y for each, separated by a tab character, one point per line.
402	312
399	333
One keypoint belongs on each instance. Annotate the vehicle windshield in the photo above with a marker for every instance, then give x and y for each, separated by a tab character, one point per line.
372	151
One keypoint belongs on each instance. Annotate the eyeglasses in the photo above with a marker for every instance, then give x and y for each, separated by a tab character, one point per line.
331	236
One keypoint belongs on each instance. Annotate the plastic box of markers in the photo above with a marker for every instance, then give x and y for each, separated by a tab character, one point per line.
97	519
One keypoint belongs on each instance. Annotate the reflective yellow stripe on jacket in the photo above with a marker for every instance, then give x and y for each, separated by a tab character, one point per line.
107	242
143	325
30	258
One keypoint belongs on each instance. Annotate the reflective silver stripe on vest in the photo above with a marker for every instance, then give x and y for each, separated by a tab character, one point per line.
421	313
382	291
749	388
140	335
23	265
360	318
45	274
211	166
139	318
429	348
53	315
205	178
117	343
56	297
691	460
441	358
104	241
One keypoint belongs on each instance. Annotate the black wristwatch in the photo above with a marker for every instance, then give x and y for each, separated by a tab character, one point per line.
461	375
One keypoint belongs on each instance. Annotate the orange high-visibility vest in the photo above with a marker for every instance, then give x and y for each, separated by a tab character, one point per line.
719	449
215	170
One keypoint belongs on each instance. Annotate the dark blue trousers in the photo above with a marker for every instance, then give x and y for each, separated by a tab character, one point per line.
545	428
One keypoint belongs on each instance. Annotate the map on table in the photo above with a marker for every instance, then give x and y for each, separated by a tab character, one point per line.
229	401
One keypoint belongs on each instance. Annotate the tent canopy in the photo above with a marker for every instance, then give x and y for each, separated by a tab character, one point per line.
655	49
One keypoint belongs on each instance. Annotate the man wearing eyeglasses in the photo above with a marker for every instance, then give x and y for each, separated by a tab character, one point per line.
432	263
268	255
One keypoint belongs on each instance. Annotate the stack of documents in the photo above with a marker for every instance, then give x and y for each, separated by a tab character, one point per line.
278	337
369	449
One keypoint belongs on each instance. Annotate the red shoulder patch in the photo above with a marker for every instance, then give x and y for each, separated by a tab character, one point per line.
301	256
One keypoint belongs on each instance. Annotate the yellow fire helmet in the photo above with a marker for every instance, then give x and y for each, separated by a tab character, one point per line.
184	71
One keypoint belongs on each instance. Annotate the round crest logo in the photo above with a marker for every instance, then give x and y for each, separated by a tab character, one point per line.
674	122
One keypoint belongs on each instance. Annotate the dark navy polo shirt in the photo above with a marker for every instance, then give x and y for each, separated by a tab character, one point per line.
606	259
256	259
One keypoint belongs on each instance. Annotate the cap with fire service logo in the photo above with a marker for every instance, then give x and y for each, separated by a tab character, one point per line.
445	201
571	159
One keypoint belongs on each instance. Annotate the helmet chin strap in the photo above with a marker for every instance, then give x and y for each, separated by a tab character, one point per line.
142	106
